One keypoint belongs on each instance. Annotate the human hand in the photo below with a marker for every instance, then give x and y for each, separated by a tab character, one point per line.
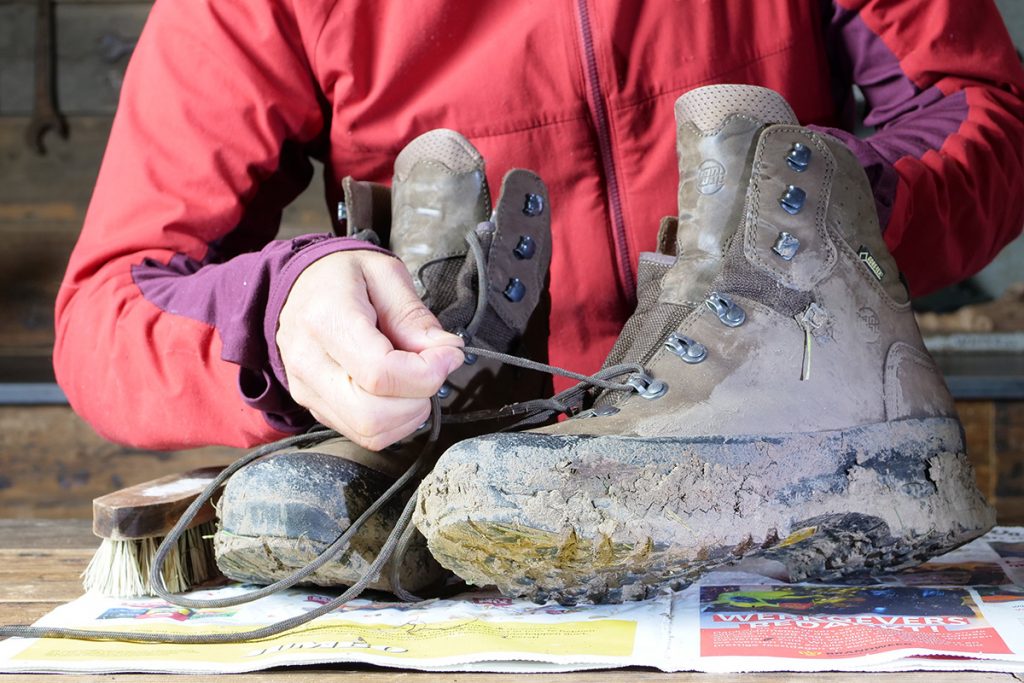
360	350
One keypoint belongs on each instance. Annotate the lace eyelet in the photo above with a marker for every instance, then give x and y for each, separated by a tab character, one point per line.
726	309
799	158
648	387
526	248
687	349
786	246
533	205
792	200
515	290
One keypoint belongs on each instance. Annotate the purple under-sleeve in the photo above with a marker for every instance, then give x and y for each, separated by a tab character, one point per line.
242	299
910	121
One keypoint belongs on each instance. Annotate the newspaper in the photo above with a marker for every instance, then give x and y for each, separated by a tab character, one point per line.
962	611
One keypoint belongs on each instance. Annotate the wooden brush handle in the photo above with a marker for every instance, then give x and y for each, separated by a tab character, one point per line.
150	509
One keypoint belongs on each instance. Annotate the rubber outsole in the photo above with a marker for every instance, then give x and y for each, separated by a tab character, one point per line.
278	514
607	519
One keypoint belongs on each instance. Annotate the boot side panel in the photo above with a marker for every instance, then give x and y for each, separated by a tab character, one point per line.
762	358
854	218
883	334
914	386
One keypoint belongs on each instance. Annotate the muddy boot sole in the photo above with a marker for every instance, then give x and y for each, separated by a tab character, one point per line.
278	514
607	519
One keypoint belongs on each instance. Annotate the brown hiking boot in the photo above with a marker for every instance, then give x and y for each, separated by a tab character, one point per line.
279	513
788	413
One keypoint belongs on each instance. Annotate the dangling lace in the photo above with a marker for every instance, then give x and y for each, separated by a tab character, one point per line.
395	546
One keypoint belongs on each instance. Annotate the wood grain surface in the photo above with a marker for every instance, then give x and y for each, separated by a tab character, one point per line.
54	464
323	675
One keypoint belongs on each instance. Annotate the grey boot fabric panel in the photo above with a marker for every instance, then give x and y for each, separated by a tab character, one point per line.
520	252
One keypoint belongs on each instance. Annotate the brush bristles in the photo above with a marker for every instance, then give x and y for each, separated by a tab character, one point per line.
120	569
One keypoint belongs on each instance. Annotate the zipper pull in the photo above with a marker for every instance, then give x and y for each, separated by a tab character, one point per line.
814	321
805	373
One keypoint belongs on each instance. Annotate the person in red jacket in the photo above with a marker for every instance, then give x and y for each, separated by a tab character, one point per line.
182	321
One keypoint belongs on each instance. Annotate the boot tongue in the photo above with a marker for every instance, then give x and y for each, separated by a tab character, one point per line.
717	128
439	193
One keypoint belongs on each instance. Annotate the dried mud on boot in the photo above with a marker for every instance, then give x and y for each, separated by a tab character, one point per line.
606	519
287	509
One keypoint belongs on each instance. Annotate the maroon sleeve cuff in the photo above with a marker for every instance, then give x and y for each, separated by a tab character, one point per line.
304	256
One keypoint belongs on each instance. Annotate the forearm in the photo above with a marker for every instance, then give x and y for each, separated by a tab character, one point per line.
944	87
181	354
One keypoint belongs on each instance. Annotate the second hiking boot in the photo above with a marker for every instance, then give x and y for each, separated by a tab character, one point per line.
279	513
787	413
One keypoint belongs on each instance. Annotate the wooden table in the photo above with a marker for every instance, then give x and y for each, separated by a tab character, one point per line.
40	563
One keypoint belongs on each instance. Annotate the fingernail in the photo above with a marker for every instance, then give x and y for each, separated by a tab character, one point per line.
439	334
455	363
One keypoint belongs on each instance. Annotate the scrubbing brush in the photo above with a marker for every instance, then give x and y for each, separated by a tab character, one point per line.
132	523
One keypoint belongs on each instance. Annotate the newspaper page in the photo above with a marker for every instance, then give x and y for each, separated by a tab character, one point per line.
442	634
962	611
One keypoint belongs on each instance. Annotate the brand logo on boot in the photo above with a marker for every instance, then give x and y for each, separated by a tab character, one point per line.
710	177
871	263
869	319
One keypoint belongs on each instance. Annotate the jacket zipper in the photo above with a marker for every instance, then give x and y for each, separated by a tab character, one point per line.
599	114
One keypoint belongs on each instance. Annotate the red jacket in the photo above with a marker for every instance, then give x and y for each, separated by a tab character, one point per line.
166	317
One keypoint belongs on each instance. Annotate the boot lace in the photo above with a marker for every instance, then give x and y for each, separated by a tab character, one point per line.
392	551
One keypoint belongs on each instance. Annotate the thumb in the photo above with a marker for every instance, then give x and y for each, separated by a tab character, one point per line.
401	316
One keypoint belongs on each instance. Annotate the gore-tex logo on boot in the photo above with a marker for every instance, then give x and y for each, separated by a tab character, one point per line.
868	260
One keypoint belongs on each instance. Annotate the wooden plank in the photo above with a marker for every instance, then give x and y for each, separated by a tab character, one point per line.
50	193
978	418
54	464
1008	440
54	188
367	675
42	591
89	75
43	201
42	564
42	204
14	612
32	264
65	534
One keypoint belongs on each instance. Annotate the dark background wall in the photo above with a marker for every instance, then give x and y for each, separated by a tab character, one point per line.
51	464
